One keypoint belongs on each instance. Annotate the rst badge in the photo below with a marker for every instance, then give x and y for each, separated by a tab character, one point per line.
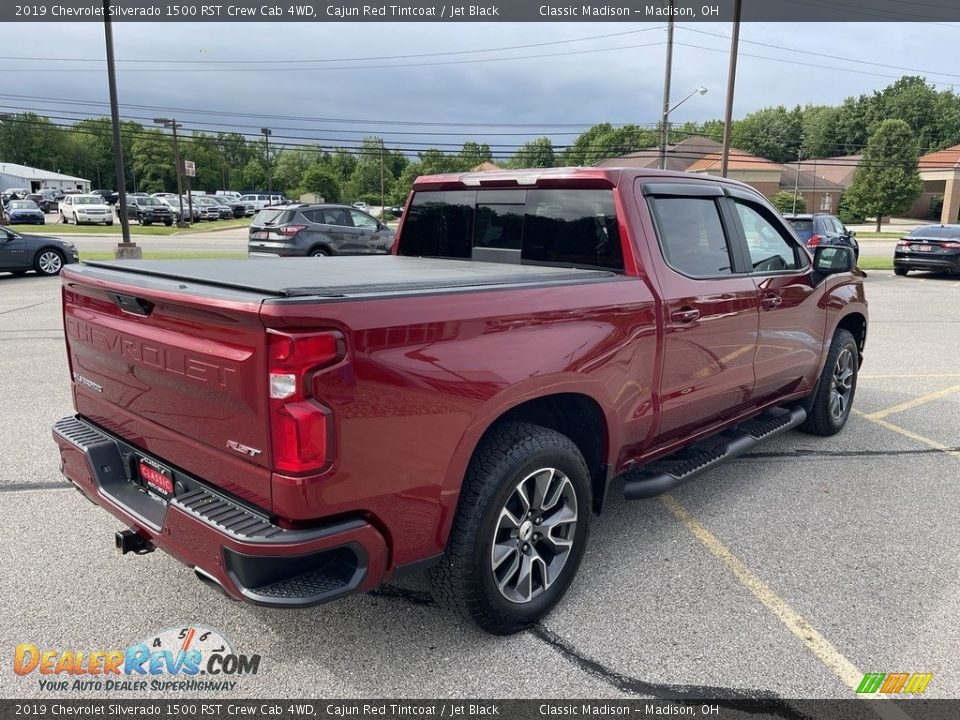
241	448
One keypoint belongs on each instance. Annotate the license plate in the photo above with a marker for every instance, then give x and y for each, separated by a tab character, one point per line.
261	235
924	248
156	477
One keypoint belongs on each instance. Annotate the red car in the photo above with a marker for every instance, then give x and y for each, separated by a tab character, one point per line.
297	430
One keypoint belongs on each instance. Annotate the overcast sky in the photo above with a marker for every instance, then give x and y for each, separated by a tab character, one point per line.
569	86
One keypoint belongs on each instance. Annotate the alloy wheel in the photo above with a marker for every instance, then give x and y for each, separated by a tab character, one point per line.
842	386
534	535
49	263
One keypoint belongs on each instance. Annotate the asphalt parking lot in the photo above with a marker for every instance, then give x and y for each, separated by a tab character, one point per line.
789	572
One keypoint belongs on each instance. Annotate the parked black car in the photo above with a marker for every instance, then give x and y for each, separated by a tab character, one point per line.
929	247
23	211
822	229
147	210
46	255
45	204
110	197
317	231
237	209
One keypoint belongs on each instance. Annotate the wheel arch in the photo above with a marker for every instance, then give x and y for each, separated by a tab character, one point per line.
574	412
855	323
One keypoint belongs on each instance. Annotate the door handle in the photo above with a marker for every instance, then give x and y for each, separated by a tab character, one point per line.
769	302
685	315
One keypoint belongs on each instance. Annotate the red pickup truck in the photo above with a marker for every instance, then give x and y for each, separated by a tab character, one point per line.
296	430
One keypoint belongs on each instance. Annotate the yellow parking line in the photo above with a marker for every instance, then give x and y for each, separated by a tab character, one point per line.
908	376
816	643
910	434
910	404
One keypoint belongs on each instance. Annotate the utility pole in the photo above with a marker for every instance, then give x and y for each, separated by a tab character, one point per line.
665	118
383	209
267	132
731	83
125	248
173	124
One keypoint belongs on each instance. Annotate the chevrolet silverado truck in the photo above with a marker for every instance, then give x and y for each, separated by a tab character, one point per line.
297	430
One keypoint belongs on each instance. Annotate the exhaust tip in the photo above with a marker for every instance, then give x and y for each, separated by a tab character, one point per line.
130	541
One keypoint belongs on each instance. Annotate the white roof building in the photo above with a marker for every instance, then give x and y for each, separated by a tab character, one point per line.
33	179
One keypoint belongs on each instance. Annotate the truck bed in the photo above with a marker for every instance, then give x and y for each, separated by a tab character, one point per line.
341	277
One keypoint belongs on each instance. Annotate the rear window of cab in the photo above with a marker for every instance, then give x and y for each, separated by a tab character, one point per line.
559	227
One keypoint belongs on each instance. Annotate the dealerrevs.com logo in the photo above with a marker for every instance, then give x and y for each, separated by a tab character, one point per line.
191	658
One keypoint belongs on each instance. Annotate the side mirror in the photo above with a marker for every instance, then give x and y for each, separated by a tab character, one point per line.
852	233
833	259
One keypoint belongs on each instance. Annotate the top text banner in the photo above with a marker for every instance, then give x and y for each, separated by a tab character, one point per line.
624	11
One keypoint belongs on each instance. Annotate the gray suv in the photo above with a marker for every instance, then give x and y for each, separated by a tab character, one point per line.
317	231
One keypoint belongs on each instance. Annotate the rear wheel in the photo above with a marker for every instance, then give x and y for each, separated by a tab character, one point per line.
48	262
900	270
319	252
832	400
520	529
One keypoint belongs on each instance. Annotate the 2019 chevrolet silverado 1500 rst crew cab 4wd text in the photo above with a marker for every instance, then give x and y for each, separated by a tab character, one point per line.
296	430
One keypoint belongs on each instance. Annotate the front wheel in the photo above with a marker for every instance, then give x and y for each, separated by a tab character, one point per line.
48	262
75	220
520	529
832	400
319	253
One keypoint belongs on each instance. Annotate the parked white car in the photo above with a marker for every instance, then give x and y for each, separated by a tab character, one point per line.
81	209
258	201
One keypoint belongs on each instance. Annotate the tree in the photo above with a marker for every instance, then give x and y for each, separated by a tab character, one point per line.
783	201
604	141
774	133
886	182
473	153
29	139
253	176
153	162
317	179
536	153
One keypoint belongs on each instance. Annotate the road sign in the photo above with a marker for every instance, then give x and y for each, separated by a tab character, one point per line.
189	168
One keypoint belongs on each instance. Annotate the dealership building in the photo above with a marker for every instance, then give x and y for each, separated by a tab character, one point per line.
33	179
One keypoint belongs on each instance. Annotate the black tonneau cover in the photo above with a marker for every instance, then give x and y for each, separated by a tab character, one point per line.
339	277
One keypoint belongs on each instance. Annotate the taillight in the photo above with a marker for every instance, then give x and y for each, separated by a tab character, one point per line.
291	230
814	240
950	245
301	427
903	242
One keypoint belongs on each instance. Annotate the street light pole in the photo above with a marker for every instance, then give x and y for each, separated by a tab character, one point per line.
125	248
173	125
267	132
731	83
666	90
383	210
666	125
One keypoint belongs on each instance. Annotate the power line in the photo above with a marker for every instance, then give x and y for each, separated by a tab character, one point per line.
832	56
390	66
273	61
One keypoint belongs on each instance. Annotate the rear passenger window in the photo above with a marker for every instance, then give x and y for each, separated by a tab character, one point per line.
692	236
770	250
337	216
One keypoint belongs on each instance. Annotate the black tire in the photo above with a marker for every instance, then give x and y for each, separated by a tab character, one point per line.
466	579
75	220
829	406
109	223
319	252
48	261
146	223
900	271
168	223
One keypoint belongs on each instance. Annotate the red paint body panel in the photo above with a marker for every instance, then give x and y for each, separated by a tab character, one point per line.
424	376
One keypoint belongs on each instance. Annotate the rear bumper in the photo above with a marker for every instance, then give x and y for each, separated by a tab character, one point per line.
237	547
918	261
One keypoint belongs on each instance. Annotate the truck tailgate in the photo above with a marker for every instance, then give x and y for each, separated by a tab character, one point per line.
174	371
